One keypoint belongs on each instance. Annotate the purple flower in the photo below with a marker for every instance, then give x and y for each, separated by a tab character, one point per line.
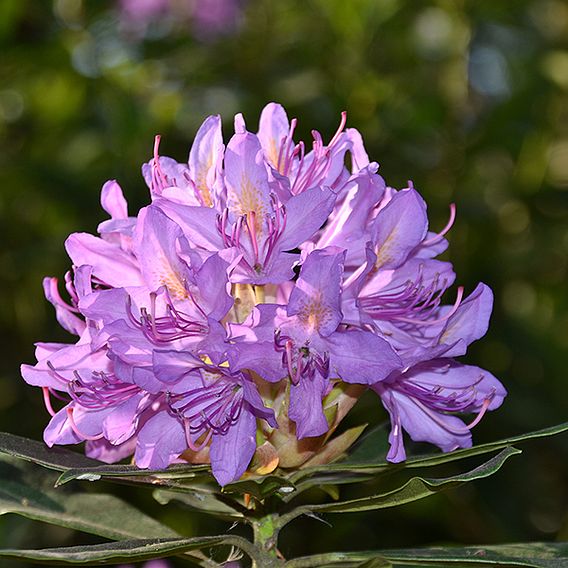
260	277
293	170
424	399
311	344
248	217
206	404
99	407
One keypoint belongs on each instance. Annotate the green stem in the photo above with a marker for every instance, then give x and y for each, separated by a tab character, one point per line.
266	531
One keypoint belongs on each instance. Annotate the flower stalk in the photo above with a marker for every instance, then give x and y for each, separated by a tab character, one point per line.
265	534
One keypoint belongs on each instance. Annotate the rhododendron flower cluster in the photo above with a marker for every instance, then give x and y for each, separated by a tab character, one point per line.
264	280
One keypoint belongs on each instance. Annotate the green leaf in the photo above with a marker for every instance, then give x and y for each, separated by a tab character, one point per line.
415	488
56	458
28	492
532	555
207	502
78	466
437	459
169	477
115	552
261	487
535	555
366	460
324	481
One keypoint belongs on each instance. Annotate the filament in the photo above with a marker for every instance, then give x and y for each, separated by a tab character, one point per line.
77	431
440	235
47	401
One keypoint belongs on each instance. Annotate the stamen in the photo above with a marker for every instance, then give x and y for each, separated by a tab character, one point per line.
77	431
196	191
56	296
174	325
289	358
339	129
251	224
441	319
157	139
208	410
47	401
439	420
153	312
53	373
289	155
70	287
100	391
482	411
159	178
223	227
321	159
285	157
440	235
276	230
280	154
437	400
226	419
299	368
454	430
237	228
191	445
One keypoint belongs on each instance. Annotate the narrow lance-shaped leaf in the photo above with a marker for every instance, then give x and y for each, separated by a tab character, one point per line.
415	488
369	457
261	487
324	481
116	552
30	494
77	466
59	459
133	474
437	459
207	502
531	555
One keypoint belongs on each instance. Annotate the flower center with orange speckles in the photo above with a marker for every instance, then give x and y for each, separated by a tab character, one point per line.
250	199
314	313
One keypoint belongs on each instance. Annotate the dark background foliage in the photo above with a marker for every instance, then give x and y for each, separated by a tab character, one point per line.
467	99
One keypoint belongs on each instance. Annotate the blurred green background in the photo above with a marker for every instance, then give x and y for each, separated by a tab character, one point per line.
467	99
